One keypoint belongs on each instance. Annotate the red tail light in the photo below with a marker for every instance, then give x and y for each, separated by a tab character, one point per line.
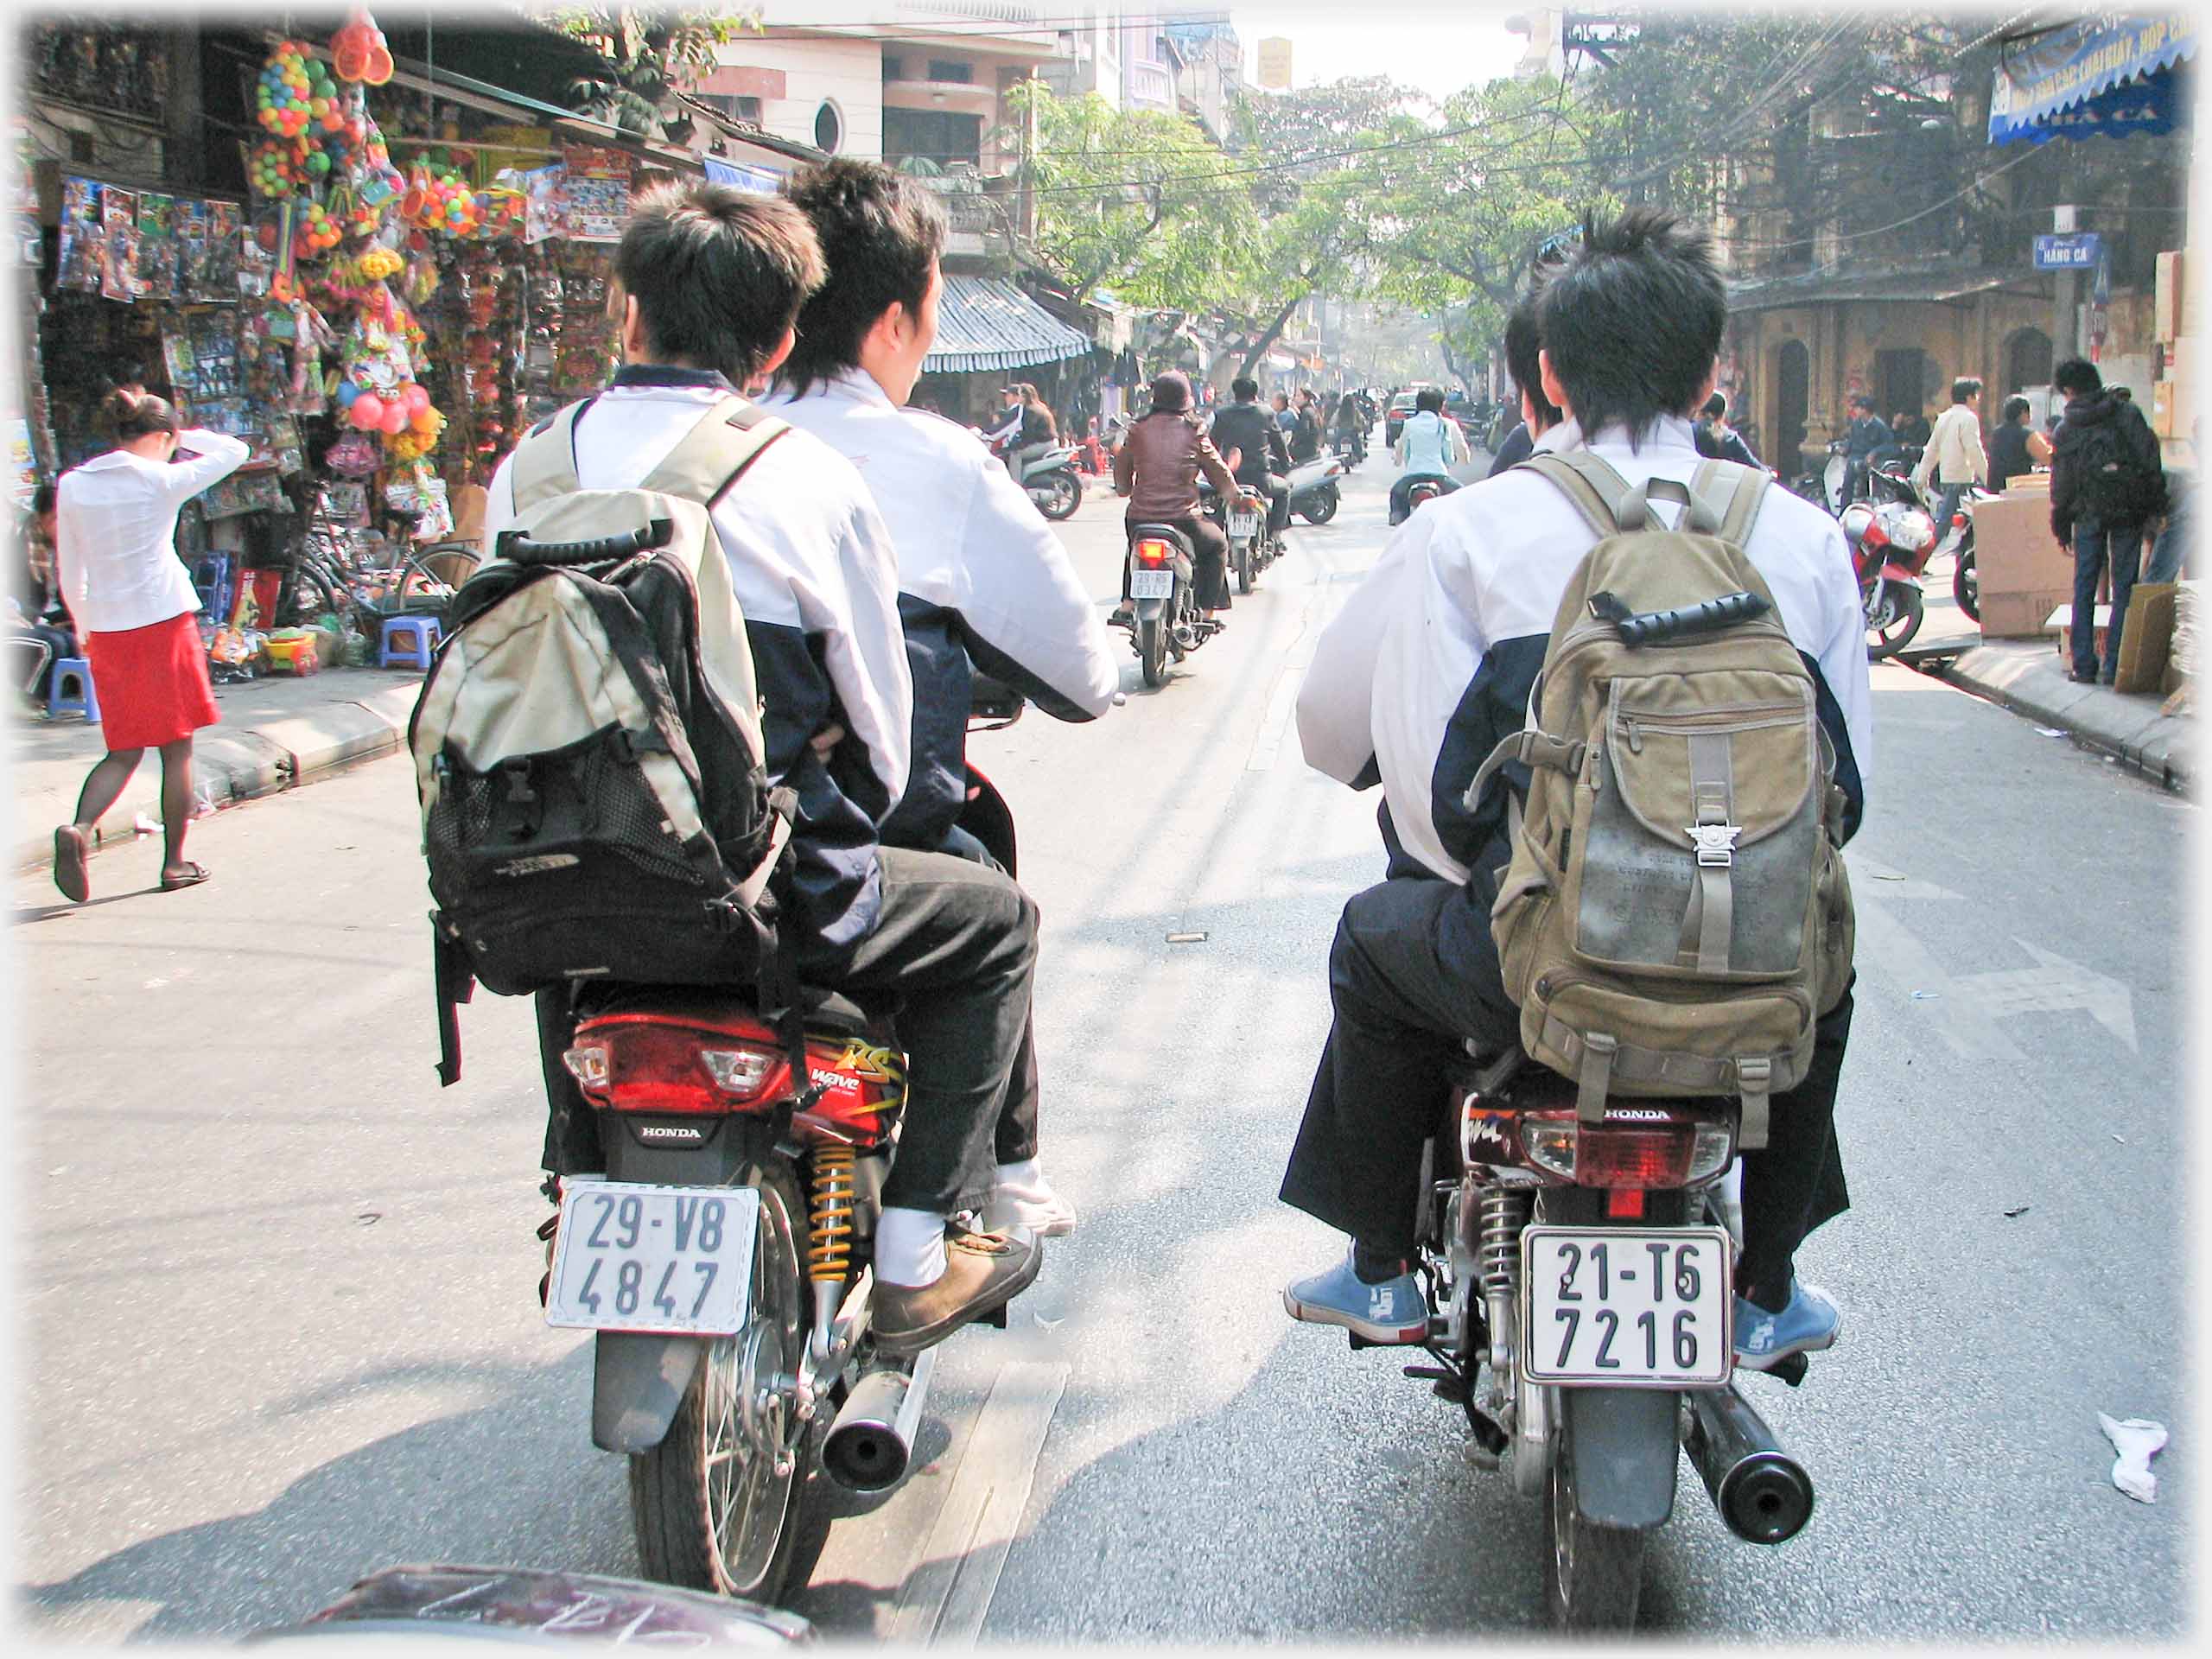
653	1065
1152	551
1664	1150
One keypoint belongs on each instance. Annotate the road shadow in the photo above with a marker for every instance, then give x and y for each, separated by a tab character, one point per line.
447	1490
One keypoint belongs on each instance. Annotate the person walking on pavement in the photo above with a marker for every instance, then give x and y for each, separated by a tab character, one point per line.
133	605
982	580
1954	457
2108	485
1717	439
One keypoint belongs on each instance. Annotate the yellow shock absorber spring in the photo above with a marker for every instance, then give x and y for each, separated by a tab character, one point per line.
830	1215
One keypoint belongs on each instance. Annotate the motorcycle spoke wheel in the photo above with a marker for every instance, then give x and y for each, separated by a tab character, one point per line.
716	1503
1892	623
1063	496
1593	1576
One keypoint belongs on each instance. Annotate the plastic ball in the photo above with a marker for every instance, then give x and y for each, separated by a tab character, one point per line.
426	422
366	411
317	164
393	419
347	392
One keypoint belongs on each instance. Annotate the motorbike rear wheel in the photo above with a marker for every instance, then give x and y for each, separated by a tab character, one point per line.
1593	1576
1063	494
1966	584
1891	627
716	1503
1320	507
1242	553
1151	649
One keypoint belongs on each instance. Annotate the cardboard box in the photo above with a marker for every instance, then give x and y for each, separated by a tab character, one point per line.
2024	570
2146	638
2061	621
2021	616
2173	397
2169	286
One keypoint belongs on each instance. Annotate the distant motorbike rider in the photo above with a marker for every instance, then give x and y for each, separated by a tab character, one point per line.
1718	441
1351	427
981	576
1263	453
1430	444
1305	430
1867	435
1158	469
1039	433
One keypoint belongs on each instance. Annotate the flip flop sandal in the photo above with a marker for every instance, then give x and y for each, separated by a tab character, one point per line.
69	874
196	874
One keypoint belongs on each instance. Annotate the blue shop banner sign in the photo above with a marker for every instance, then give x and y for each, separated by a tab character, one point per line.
760	181
2076	251
2099	78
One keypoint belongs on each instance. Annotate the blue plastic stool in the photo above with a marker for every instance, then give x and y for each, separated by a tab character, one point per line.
85	701
421	637
212	583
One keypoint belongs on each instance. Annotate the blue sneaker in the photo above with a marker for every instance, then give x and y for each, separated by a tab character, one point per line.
1810	1322
1392	1311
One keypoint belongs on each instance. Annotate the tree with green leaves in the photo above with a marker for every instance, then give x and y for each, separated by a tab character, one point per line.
651	54
1126	199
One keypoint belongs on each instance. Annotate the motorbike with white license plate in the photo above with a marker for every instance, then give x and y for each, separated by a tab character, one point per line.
1251	547
1163	617
721	1259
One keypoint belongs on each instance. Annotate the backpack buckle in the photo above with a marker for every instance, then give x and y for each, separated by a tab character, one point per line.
1715	844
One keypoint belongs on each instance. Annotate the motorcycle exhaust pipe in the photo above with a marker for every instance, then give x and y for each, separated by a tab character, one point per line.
872	1441
1763	1494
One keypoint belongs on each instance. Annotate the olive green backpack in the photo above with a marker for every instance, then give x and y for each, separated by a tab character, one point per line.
1676	913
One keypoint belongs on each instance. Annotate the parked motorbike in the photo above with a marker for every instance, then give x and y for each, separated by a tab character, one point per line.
1824	488
723	1259
1314	492
1580	1280
1890	543
1051	479
1164	618
1957	540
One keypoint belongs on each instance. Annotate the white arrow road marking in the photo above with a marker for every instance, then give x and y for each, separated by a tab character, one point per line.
1958	1019
2057	984
949	1590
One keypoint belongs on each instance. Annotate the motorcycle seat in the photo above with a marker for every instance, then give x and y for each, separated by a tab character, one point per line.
833	1012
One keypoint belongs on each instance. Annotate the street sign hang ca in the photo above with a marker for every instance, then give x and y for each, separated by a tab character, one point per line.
2075	251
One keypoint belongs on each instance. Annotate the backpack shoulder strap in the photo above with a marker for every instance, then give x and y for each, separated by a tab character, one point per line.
1597	492
545	460
1733	493
714	454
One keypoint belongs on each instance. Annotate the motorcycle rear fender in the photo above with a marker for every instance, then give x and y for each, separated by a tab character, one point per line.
638	1381
1149	608
1626	1448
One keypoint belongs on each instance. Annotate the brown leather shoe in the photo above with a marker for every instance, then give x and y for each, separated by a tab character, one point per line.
983	1272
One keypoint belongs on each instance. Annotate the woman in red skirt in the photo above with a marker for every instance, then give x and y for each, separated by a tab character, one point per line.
134	607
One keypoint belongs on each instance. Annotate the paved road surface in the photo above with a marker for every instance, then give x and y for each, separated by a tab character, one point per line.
276	1289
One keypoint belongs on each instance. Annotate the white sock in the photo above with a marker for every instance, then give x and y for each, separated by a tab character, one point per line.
1023	1182
909	1248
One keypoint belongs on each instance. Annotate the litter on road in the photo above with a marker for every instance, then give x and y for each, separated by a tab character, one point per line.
2137	1440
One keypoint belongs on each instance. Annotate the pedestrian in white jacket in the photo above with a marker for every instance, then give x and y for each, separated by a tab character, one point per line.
1955	457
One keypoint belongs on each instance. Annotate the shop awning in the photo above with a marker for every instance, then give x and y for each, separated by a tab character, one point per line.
985	323
1281	362
2099	78
1876	285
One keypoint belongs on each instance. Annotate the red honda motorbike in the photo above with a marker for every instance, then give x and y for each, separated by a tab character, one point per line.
722	1257
1892	541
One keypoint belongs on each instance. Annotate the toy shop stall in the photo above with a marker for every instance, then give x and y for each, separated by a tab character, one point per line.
405	283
